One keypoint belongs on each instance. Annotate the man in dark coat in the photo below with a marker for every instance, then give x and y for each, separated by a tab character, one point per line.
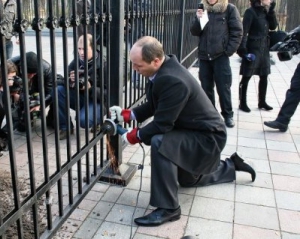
257	21
92	82
34	82
186	134
218	40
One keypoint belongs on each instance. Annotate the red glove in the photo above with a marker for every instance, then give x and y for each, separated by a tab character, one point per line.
126	115
131	136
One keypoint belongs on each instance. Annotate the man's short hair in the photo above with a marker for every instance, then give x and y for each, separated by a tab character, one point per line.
151	48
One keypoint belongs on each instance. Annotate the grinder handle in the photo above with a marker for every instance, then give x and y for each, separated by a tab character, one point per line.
121	130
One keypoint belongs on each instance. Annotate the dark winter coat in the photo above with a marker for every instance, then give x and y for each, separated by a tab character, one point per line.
193	132
34	86
223	32
257	22
94	81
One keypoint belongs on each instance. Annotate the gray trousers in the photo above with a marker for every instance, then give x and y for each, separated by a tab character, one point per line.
165	176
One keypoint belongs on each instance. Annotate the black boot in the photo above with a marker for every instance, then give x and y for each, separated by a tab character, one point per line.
240	165
243	98
262	91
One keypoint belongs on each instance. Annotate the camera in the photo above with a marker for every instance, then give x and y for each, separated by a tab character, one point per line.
81	80
17	84
200	6
289	46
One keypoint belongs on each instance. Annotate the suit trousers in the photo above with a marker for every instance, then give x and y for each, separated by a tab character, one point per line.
292	99
165	176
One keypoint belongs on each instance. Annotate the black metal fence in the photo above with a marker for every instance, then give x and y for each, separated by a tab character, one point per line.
48	177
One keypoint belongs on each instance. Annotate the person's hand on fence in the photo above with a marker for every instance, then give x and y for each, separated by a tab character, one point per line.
120	115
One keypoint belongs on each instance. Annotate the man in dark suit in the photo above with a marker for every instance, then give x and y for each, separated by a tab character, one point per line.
186	134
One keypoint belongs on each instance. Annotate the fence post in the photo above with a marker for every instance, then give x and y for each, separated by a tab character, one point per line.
182	26
116	63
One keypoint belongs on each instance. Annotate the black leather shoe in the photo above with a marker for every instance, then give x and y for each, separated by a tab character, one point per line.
240	165
276	125
229	122
158	217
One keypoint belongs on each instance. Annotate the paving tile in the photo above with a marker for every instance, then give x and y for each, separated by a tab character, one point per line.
253	143
123	214
247	232
112	194
256	216
209	208
263	180
260	166
189	191
289	221
280	183
253	153
174	230
129	197
288	200
185	202
283	146
135	183
276	136
250	126
79	214
253	195
231	140
101	210
143	236
287	169
88	228
208	229
254	134
71	226
87	205
229	149
286	235
284	157
110	230
223	191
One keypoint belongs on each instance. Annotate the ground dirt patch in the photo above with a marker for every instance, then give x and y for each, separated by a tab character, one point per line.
7	205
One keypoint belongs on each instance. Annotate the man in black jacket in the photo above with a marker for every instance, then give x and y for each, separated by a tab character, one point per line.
186	134
91	83
33	83
218	40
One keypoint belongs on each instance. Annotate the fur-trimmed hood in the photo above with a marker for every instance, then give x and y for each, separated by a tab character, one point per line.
220	6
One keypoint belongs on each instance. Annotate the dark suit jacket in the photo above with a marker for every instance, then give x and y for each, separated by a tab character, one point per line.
194	133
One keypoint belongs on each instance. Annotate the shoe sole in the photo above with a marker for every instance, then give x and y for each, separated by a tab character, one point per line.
158	224
280	129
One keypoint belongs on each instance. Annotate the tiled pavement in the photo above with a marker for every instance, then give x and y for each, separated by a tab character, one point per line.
269	208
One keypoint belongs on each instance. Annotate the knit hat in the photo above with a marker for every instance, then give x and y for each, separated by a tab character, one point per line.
31	59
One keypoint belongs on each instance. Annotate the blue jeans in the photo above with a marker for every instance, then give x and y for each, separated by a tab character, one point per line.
61	91
9	49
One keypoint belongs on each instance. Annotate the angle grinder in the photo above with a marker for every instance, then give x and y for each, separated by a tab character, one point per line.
111	128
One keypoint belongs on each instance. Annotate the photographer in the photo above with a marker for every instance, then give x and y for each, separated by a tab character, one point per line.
92	82
291	46
11	73
33	84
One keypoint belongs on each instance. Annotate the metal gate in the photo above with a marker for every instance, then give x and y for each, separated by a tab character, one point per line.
47	177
